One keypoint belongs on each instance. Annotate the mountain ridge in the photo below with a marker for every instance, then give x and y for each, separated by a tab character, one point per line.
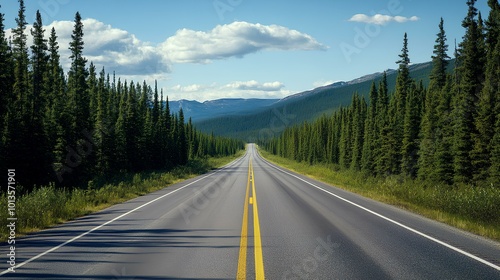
270	121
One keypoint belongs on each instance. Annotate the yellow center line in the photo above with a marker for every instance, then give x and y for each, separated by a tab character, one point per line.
242	260
259	260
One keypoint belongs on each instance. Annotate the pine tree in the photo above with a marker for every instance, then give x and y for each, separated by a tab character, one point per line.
79	97
182	140
398	108
439	59
39	148
120	134
382	130
17	120
6	77
410	148
368	155
358	123
470	73
345	145
438	79
486	114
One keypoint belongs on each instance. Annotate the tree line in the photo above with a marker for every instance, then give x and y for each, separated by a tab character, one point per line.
448	132
69	127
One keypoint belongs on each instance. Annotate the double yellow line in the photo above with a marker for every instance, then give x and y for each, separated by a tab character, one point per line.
242	260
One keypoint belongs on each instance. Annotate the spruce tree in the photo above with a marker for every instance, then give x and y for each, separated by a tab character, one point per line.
18	118
39	147
6	77
443	156
410	147
368	155
438	79
398	108
358	127
470	74
182	140
486	114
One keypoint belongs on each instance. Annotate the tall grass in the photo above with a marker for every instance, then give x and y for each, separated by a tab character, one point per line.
472	208
48	205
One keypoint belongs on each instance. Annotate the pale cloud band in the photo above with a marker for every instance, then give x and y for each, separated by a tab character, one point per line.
380	19
122	51
237	89
234	40
132	59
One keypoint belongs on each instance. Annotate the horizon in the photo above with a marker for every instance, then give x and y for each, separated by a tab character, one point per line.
218	49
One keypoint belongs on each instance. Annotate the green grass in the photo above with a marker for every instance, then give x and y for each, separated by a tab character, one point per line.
48	205
474	209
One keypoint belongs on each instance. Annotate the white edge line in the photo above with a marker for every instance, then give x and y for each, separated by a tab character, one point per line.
115	219
492	265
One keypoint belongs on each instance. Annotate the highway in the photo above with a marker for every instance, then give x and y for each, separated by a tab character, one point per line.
253	220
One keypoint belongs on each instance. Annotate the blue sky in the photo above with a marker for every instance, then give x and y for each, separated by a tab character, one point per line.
208	49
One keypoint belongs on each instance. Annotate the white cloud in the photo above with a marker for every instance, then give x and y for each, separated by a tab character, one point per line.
116	49
237	89
234	40
380	19
120	51
256	86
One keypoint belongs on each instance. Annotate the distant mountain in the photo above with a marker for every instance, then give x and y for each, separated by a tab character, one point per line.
270	121
221	107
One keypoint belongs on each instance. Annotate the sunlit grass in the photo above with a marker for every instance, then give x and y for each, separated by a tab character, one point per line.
48	205
474	209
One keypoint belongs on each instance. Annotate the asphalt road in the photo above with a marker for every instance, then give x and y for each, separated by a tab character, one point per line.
253	220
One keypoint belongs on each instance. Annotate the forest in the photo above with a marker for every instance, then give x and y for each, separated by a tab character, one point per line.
67	128
447	133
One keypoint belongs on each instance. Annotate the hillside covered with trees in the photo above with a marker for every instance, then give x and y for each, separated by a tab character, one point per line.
70	127
448	132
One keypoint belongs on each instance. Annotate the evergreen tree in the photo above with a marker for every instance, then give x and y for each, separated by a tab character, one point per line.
439	59
182	143
368	155
470	73
486	114
358	123
39	148
443	157
398	109
345	145
410	148
6	77
382	130
438	79
17	120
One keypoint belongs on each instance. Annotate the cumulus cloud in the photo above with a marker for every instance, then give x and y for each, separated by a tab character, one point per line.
254	85
237	89
234	40
380	19
120	51
116	49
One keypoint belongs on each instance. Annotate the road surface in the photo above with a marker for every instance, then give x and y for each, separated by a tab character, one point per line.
253	220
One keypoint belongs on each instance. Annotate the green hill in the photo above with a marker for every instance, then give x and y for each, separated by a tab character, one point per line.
305	106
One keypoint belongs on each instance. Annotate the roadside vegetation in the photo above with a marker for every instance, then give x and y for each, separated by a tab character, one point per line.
435	149
49	205
469	208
